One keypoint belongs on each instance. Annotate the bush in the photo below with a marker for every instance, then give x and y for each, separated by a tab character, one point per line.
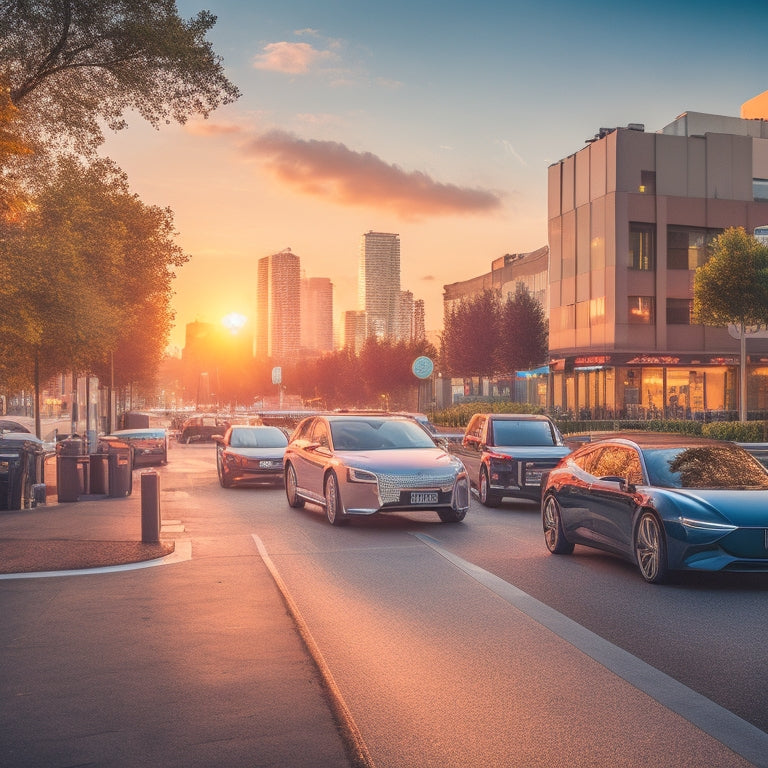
459	415
737	431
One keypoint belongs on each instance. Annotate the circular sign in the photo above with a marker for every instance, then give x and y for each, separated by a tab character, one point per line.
422	367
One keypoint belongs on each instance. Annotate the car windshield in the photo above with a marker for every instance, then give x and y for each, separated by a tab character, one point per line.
378	435
704	466
522	432
258	437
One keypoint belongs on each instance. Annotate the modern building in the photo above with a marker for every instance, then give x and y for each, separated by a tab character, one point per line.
419	320
278	322
404	317
379	282
316	314
631	216
355	328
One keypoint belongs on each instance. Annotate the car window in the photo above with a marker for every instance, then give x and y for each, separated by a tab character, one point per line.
320	433
378	435
522	432
705	466
588	460
259	437
620	461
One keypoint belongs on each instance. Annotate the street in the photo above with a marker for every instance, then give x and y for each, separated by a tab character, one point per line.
450	644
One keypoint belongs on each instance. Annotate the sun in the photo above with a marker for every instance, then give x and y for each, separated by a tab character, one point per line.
234	321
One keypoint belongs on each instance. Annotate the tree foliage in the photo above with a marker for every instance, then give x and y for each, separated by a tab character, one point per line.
471	335
11	146
75	65
524	337
732	287
86	278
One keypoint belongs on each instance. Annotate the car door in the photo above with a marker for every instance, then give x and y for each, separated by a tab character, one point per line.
573	494
301	453
613	497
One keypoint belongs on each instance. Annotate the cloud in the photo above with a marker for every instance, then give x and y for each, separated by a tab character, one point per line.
205	128
291	58
330	170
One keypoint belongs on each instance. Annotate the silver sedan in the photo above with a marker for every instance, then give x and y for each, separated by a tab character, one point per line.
364	464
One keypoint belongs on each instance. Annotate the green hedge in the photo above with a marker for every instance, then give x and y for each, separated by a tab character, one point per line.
739	432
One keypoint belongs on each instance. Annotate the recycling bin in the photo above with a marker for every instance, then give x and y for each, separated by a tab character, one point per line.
72	469
99	473
22	459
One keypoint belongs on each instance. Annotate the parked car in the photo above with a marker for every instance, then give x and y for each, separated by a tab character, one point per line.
250	454
363	464
665	502
150	446
202	428
436	432
506	454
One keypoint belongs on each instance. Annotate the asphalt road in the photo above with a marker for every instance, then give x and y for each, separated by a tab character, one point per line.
450	645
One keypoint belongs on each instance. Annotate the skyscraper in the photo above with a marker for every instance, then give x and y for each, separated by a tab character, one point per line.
278	325
317	314
379	282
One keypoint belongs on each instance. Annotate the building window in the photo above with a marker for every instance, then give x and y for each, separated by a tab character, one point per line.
647	182
642	246
641	310
679	312
689	247
760	189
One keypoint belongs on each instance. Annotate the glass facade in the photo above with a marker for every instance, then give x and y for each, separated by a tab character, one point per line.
642	246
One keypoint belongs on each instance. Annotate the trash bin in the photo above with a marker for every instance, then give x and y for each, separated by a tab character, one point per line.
120	468
99	473
72	469
22	459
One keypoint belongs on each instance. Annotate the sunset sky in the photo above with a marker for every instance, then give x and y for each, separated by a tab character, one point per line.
434	120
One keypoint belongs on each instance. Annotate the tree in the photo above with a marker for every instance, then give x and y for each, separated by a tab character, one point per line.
523	334
732	288
470	338
86	279
75	65
11	146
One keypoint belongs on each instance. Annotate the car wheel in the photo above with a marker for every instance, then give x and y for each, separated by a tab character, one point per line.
487	497
224	481
290	488
334	509
452	515
651	549
554	536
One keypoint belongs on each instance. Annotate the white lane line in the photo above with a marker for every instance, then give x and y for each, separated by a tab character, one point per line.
182	552
729	729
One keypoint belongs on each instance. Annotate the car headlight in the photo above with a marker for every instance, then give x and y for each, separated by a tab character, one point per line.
705	525
361	476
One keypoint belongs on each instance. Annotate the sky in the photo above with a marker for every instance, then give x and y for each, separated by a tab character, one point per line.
433	120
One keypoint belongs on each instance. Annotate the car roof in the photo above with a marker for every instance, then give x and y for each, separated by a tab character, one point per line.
517	416
650	440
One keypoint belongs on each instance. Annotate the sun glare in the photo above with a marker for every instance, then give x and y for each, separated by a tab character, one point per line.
234	321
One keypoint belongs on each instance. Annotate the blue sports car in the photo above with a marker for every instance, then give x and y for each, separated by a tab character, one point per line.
665	502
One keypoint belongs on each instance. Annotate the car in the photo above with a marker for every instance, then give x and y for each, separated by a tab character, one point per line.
150	446
506	454
248	454
664	502
433	429
8	425
202	428
365	464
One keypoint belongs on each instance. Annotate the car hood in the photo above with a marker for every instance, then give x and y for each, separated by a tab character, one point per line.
531	451
258	453
401	460
740	507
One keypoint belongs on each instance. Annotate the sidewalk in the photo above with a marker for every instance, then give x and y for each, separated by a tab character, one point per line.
191	664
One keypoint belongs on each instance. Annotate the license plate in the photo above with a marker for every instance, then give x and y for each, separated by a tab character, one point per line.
424	498
269	464
533	476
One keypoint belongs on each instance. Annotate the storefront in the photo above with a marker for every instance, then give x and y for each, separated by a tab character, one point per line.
628	386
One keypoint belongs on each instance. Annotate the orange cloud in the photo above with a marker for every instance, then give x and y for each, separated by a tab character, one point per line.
205	128
329	169
290	58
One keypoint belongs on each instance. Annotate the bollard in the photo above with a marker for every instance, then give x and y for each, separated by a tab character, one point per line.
150	507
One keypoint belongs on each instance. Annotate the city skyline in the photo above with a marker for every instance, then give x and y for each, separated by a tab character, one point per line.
438	126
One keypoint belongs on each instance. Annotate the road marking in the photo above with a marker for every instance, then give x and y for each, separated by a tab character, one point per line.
729	729
182	552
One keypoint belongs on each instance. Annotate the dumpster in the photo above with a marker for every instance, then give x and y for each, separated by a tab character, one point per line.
119	467
22	458
72	469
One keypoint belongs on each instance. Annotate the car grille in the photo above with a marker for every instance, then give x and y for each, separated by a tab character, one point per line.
391	485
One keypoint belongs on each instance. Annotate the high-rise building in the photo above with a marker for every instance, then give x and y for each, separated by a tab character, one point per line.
316	314
278	326
379	282
355	326
419	322
404	317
